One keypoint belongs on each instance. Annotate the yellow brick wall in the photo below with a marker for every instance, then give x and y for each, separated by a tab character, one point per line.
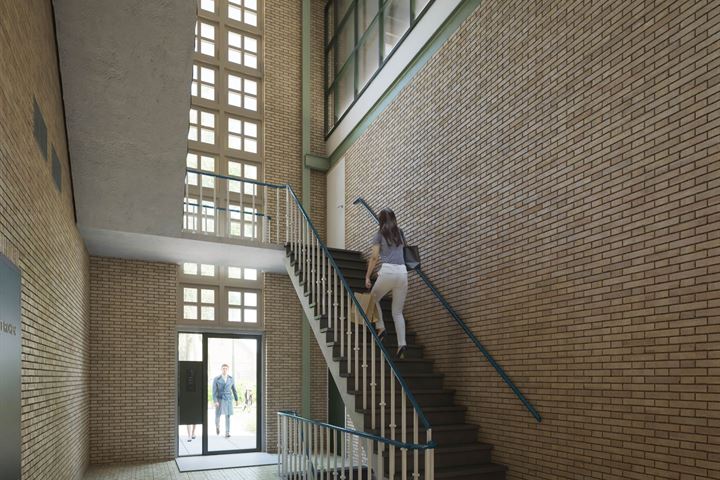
558	163
37	231
133	363
283	353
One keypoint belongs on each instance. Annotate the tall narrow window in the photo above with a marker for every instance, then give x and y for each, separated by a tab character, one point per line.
225	121
361	36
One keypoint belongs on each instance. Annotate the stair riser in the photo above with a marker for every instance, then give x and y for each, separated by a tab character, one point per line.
404	368
445	459
410	353
390	339
342	260
424	399
414	383
435	419
443	438
458	447
323	319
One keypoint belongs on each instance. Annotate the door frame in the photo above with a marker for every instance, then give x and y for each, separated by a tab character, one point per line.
205	380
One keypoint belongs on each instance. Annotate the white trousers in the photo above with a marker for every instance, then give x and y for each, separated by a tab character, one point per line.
392	278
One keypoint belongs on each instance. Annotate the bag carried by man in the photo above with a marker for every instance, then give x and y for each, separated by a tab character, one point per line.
370	308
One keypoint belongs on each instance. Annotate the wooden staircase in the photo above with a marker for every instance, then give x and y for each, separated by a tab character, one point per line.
458	456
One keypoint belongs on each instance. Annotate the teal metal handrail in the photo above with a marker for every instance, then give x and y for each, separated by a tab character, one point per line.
411	398
377	438
464	326
223	209
368	324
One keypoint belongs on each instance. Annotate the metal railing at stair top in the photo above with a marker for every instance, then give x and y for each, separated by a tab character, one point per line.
312	449
231	207
331	295
464	326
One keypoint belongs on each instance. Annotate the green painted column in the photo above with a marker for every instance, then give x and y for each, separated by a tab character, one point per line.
306	118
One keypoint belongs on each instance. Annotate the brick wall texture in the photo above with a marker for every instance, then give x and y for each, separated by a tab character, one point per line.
283	354
133	362
559	165
37	232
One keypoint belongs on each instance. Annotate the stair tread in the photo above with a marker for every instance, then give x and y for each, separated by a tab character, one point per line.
463	447
435	428
416	391
342	250
431	409
449	472
411	374
467	452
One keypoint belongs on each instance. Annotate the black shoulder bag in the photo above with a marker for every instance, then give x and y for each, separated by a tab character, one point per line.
411	254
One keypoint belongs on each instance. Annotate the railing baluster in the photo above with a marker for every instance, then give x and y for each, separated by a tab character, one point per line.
357	353
242	208
328	286
216	211
265	212
305	448
335	307
348	332
364	368
342	326
318	276
369	454
343	449
330	274
291	444
335	455
372	385
403	434
415	441
327	456
201	210
323	287
403	455
382	397
254	218
351	458
342	309
392	425
306	256
428	456
186	203
313	271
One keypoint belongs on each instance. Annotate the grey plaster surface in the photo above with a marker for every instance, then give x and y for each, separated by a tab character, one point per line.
136	246
126	69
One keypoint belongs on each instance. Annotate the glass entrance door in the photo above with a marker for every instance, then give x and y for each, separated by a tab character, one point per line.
233	417
219	396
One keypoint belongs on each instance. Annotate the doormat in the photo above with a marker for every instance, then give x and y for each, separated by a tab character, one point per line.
219	462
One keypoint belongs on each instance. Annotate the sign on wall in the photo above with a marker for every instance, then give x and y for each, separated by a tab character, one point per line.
9	369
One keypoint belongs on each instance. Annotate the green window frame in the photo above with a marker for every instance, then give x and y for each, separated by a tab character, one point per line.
357	47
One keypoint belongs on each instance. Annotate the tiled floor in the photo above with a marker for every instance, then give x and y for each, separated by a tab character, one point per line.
169	471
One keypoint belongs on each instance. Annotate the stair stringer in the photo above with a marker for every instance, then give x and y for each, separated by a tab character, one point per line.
334	367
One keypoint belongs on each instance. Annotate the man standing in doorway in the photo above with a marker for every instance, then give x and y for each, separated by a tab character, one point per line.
223	393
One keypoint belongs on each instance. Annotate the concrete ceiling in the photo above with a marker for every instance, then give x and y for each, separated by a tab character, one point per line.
126	70
136	246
